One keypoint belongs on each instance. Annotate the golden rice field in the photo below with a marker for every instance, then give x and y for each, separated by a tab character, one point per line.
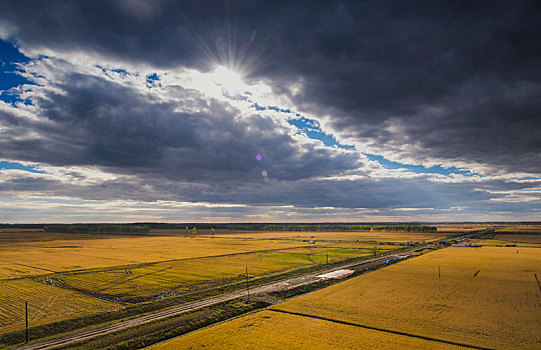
536	239
135	268
11	235
30	258
36	253
165	278
462	227
503	240
532	228
46	304
360	236
272	330
500	307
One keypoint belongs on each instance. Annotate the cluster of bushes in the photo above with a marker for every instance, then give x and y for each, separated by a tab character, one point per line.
98	229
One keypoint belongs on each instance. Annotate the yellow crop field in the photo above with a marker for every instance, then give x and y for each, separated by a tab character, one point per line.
199	273
46	304
536	239
47	268
39	257
462	227
360	236
273	330
522	228
503	240
485	296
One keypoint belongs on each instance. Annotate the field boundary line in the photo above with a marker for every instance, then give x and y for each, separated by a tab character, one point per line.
380	329
538	283
30	266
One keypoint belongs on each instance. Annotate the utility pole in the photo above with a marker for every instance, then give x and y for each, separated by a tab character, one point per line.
439	272
327	258
26	313
247	286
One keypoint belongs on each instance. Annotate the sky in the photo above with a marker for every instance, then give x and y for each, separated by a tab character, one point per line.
270	111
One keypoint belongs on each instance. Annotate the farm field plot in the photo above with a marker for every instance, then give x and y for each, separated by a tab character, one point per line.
519	241
536	239
485	297
134	268
522	228
39	257
462	227
360	236
46	304
164	278
273	330
22	236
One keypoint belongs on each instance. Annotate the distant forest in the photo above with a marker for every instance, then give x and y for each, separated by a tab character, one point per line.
97	229
143	228
298	227
332	227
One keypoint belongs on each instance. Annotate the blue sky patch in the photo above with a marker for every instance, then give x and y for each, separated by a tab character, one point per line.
120	71
13	97
277	109
9	57
258	107
14	165
313	130
9	76
530	178
152	78
419	169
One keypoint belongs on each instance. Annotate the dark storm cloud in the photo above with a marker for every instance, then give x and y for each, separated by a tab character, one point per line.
93	121
431	81
459	79
163	33
383	195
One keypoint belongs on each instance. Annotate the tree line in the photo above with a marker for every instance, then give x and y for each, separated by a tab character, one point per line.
97	229
405	228
331	227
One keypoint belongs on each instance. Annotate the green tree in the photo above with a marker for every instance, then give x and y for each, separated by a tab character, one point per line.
212	232
194	231
187	232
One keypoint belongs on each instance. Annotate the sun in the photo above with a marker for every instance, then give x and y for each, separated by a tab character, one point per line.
221	83
229	80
